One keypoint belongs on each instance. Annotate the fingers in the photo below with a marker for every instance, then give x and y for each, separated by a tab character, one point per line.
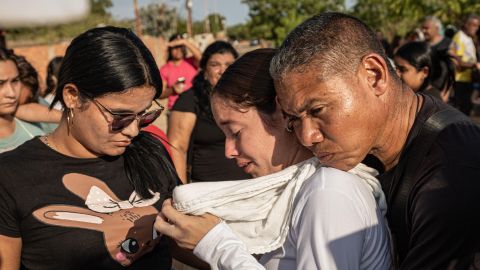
172	215
186	230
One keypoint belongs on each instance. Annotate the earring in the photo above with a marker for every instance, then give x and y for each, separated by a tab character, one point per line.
289	129
70	116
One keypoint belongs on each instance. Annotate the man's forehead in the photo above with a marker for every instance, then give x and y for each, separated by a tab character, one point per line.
296	99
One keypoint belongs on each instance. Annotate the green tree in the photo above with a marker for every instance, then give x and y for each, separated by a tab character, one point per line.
159	20
401	16
216	22
239	31
99	15
274	19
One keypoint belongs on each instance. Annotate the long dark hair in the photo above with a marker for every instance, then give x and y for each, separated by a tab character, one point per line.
112	60
441	70
28	75
201	86
247	82
184	49
52	74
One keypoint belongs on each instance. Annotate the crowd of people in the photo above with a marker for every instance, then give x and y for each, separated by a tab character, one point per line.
337	150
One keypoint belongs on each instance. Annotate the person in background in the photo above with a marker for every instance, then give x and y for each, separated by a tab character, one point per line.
178	72
197	141
28	80
51	80
425	69
464	52
13	131
432	29
98	182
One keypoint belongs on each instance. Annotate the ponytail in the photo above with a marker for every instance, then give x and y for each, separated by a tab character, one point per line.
149	167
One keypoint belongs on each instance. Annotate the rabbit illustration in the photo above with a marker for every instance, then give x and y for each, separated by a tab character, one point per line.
127	226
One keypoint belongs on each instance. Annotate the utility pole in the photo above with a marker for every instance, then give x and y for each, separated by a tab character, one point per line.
138	21
189	5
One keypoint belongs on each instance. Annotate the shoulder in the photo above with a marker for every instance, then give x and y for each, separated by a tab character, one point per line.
329	187
33	129
190	61
186	102
327	179
28	150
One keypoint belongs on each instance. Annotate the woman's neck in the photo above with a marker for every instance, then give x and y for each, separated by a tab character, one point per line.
7	126
62	141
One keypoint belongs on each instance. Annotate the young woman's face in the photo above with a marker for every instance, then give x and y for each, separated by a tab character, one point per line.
9	87
409	74
216	65
91	124
259	148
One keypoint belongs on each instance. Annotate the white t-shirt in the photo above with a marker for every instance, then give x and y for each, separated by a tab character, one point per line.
336	224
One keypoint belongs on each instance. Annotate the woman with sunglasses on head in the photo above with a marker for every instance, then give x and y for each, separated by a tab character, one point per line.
86	195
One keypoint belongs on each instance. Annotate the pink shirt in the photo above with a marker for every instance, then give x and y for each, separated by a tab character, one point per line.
171	72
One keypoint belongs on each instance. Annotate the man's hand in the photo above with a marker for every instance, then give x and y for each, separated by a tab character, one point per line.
186	230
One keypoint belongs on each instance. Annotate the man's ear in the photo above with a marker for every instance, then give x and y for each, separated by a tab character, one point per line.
71	96
375	70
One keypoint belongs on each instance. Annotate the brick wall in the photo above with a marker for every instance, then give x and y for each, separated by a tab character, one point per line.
40	55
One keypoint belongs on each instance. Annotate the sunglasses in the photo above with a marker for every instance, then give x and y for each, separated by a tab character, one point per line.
123	120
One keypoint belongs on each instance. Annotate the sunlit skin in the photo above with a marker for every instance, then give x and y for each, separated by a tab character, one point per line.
409	74
258	142
10	89
89	134
346	116
177	54
471	27
26	95
431	32
216	65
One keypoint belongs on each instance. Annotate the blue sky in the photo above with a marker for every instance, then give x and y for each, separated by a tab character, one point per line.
233	10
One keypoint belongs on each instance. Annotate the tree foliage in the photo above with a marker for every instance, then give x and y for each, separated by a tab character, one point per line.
159	20
274	19
401	16
99	15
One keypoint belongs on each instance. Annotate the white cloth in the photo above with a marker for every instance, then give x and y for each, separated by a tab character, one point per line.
335	224
259	210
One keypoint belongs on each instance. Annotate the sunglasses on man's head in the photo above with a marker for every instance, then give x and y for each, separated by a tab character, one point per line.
123	120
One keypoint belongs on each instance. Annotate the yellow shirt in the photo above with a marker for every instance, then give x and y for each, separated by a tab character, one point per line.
463	47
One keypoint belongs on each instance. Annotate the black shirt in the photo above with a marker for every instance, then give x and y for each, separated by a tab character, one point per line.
443	45
207	145
444	204
76	213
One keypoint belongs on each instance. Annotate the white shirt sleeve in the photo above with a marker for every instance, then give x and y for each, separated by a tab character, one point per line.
221	248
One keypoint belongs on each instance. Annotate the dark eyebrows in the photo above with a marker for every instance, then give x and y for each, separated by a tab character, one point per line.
17	78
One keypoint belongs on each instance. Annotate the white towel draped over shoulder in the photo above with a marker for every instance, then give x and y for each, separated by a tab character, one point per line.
259	210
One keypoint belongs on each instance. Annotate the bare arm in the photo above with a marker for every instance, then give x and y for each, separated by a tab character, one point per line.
10	252
196	53
166	91
34	112
180	127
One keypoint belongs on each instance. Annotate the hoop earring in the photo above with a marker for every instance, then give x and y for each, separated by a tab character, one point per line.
289	129
70	116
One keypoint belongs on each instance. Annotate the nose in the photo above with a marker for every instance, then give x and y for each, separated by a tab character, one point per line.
132	130
222	69
11	89
230	149
308	133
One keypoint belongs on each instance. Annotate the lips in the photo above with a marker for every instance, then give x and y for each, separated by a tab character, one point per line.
123	143
245	165
9	104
